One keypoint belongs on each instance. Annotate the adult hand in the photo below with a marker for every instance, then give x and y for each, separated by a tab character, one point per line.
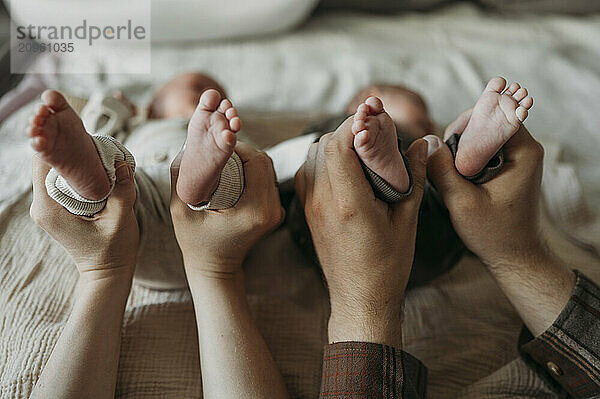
365	246
499	221
104	248
102	245
216	242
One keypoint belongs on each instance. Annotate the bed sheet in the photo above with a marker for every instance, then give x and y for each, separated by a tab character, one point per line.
446	55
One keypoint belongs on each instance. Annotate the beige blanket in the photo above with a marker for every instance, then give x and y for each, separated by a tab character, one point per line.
460	326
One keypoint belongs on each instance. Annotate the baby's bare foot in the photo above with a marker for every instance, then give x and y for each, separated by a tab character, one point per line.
496	118
376	143
406	108
210	142
59	137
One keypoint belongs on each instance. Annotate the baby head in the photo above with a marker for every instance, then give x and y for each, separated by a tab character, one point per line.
407	108
179	96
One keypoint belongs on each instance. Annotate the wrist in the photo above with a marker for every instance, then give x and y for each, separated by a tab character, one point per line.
110	274
382	302
515	252
534	256
212	266
539	286
115	285
213	276
385	329
376	321
210	290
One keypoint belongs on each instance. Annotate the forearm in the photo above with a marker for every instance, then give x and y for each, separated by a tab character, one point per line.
539	286
569	351
85	360
234	357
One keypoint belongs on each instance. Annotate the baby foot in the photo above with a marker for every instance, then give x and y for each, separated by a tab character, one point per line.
496	117
58	135
210	142
376	143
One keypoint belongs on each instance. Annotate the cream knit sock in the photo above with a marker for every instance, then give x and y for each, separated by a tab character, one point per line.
230	189
227	194
110	151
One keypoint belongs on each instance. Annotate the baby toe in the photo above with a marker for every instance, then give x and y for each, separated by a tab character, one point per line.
512	89
361	111
521	113
358	126
209	100
41	115
235	124
224	106
527	102
361	139
34	131
231	113
375	105
520	94
38	143
497	84
54	100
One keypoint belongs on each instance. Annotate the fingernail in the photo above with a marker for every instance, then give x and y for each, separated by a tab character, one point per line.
433	144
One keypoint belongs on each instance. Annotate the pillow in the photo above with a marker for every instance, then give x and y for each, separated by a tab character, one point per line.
383	6
190	20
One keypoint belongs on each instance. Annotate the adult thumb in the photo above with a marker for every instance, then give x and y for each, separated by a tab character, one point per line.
417	161
442	172
123	194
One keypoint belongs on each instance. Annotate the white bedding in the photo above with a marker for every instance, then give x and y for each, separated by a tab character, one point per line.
447	56
460	326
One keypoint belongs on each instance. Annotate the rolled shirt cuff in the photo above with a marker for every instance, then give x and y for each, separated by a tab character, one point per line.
230	188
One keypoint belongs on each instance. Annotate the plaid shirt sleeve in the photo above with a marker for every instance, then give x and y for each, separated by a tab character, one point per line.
567	355
371	371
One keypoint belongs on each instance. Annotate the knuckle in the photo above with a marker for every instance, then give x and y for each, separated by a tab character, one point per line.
330	149
38	216
538	151
262	216
179	211
262	158
326	138
175	209
317	210
345	211
465	204
276	218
